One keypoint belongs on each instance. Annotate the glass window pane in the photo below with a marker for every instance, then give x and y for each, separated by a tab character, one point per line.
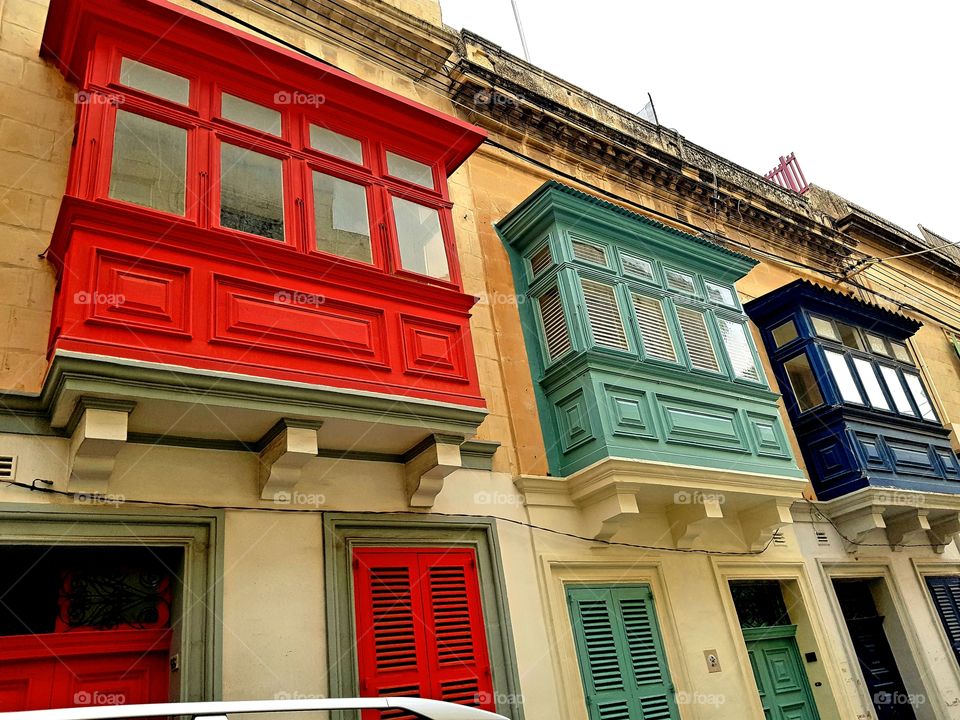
868	378
421	240
155	81
589	252
901	353
342	224
843	377
896	390
410	170
250	114
637	266
877	344
849	336
824	328
149	163
541	260
336	144
681	282
734	336
803	383
720	294
784	333
920	396
251	192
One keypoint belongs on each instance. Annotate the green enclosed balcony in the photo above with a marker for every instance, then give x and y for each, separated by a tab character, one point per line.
640	350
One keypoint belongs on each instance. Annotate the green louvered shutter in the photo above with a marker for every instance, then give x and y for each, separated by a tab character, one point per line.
622	662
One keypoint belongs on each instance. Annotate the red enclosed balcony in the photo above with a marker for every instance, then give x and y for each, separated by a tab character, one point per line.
244	216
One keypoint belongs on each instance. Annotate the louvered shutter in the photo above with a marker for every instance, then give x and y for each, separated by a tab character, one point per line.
697	338
589	252
621	655
653	328
604	314
420	630
554	322
461	666
541	260
946	596
391	638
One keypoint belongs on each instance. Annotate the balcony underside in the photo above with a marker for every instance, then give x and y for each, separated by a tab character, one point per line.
617	494
102	403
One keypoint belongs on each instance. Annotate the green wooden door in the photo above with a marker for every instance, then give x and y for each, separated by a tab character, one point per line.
778	669
622	662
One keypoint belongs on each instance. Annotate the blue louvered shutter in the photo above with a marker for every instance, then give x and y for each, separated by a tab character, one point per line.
621	655
946	596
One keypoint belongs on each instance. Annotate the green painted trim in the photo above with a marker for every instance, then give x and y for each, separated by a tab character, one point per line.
769	633
345	531
125	379
478	454
199	533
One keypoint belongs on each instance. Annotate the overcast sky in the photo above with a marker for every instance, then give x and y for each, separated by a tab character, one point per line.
865	94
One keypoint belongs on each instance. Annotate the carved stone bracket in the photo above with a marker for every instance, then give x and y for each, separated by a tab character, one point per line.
857	524
901	525
606	517
287	448
428	465
97	430
688	522
758	524
943	530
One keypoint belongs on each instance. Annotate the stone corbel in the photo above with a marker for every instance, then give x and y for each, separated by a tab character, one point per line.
857	524
428	465
899	526
944	530
606	517
689	520
286	449
97	429
759	523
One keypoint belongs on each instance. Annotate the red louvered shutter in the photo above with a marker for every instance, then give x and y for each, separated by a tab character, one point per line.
420	626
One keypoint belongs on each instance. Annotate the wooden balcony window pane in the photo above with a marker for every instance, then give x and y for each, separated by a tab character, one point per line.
803	383
410	170
155	81
332	143
421	241
251	192
250	114
149	163
342	223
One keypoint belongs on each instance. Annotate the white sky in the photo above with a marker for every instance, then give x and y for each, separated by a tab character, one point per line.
866	94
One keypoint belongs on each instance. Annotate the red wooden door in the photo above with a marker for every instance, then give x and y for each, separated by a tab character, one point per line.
99	667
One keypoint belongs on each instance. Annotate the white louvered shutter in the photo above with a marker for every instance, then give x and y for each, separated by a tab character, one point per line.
653	328
554	323
604	313
695	334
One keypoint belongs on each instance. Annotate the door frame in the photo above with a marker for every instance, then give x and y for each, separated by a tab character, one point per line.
198	533
881	569
830	704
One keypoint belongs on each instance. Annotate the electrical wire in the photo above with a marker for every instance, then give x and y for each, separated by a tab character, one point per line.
851	541
117	500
